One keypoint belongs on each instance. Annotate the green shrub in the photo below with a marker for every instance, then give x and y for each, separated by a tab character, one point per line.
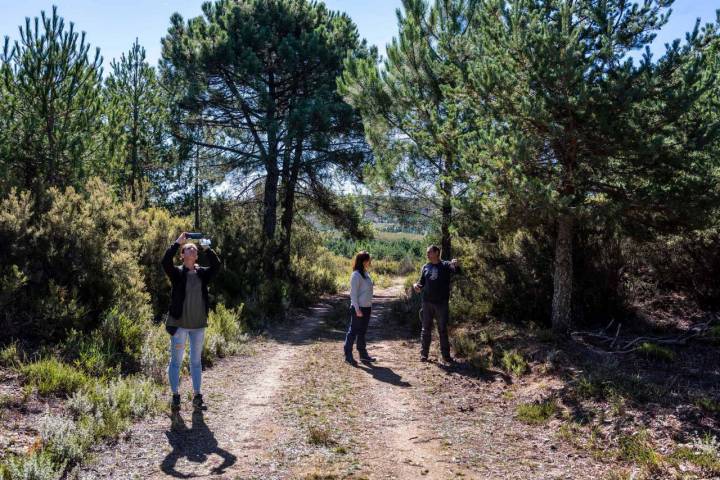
86	246
396	249
115	346
537	412
607	384
464	344
155	354
64	440
708	404
107	408
125	334
50	376
224	333
508	278
10	356
311	277
687	263
35	466
513	362
92	353
656	352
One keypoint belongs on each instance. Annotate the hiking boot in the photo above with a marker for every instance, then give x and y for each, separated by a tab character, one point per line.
364	357
175	404
198	403
349	359
423	358
449	360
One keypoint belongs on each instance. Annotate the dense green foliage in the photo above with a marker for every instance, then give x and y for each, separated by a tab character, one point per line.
51	105
261	74
398	249
87	253
570	131
136	135
576	161
410	122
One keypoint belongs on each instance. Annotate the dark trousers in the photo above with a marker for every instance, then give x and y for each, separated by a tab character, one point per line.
358	329
438	311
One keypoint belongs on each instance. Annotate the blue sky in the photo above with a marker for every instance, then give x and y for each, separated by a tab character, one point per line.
113	25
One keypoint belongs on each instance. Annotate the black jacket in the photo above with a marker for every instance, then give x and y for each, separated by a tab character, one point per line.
178	277
435	281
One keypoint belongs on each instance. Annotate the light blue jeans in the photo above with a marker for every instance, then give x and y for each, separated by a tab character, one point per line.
177	351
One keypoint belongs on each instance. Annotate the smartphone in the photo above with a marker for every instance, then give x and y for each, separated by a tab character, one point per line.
194	235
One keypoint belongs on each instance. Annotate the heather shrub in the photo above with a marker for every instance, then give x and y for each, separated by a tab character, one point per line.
34	466
51	376
224	333
70	263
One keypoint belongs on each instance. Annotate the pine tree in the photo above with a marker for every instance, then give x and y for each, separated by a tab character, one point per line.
262	74
568	126
412	124
52	89
137	132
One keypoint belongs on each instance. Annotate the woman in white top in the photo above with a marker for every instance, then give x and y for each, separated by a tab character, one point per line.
361	293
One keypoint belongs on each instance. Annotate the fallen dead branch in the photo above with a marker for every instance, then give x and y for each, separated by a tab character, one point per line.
605	343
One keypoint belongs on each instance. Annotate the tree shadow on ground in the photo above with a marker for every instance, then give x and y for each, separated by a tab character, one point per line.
647	390
197	444
467	370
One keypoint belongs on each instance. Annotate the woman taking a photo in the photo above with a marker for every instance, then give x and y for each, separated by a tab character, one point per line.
187	318
361	293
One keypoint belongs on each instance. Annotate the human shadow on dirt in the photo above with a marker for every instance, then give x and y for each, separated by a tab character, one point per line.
384	374
197	444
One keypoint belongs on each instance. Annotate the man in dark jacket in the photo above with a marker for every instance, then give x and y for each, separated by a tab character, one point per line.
434	283
189	307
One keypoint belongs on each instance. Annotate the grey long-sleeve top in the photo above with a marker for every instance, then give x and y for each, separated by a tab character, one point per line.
361	290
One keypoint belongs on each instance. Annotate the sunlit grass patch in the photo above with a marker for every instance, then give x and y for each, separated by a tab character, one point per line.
638	448
537	413
51	376
513	362
702	452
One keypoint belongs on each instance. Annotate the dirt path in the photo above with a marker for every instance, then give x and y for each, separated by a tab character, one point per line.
294	409
408	446
230	438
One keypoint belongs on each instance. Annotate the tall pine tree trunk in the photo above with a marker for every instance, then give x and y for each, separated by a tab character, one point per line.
134	154
271	185
445	241
270	211
446	187
563	275
289	204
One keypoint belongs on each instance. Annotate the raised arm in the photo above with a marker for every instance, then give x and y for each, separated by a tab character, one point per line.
167	260
454	266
